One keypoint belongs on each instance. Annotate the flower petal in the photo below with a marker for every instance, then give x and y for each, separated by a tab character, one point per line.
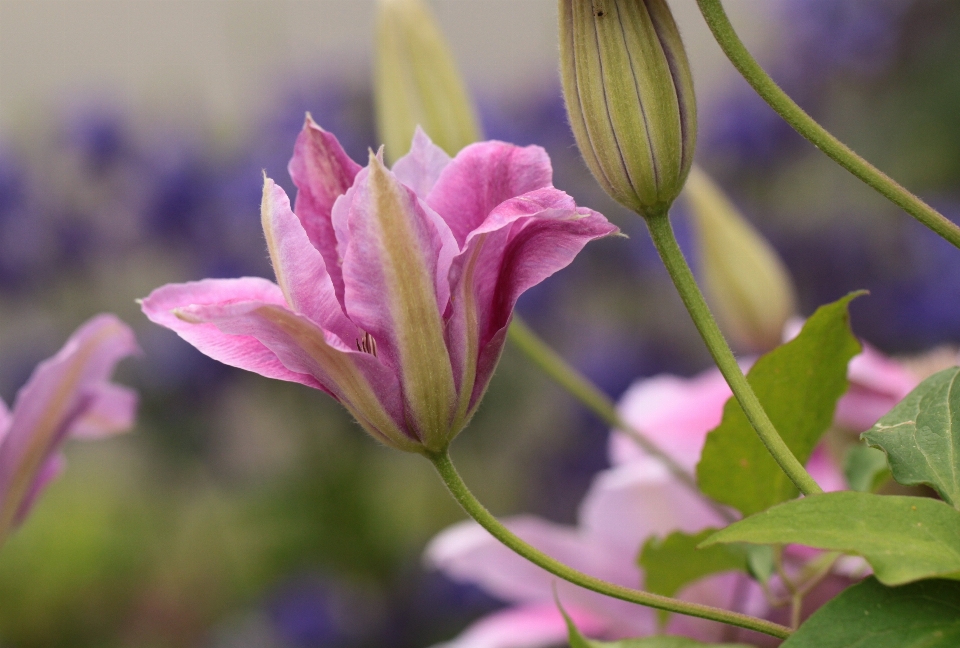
112	409
244	352
322	172
5	419
59	393
526	626
675	413
395	271
521	243
421	167
628	503
300	268
877	383
482	176
358	380
825	470
49	471
466	552
730	590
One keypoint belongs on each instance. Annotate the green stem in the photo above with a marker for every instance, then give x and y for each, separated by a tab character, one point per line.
600	404
666	244
456	486
794	115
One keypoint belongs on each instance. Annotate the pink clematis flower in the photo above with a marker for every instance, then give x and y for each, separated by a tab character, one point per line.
68	395
633	500
394	287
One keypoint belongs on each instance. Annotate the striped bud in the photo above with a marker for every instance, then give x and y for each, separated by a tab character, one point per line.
745	281
417	82
629	96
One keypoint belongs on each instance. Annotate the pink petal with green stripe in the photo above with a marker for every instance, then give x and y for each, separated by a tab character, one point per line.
358	380
396	269
241	351
322	172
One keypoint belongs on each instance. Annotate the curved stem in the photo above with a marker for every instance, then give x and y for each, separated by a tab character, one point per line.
801	122
456	486
600	404
666	244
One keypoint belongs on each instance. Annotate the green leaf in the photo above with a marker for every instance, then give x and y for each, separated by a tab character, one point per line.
577	640
865	468
674	561
869	615
921	436
903	538
798	385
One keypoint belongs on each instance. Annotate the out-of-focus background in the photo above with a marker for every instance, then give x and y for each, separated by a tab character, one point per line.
244	512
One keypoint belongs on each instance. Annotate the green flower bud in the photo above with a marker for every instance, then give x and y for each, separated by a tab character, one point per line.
629	95
745	281
417	82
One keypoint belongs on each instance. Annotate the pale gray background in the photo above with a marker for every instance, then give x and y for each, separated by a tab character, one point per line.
222	60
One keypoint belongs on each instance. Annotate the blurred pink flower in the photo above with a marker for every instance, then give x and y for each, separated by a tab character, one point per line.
877	383
628	503
394	288
68	395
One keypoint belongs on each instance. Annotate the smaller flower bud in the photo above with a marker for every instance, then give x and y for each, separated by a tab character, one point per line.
745	281
417	82
629	96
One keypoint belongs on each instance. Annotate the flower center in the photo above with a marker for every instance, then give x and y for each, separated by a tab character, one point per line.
367	344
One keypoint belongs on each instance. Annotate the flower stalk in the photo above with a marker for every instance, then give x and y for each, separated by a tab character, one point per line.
600	404
455	484
804	124
666	243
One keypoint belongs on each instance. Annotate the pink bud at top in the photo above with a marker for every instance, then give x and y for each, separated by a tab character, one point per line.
394	287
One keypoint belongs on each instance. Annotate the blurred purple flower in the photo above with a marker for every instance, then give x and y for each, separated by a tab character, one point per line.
827	37
99	135
305	613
